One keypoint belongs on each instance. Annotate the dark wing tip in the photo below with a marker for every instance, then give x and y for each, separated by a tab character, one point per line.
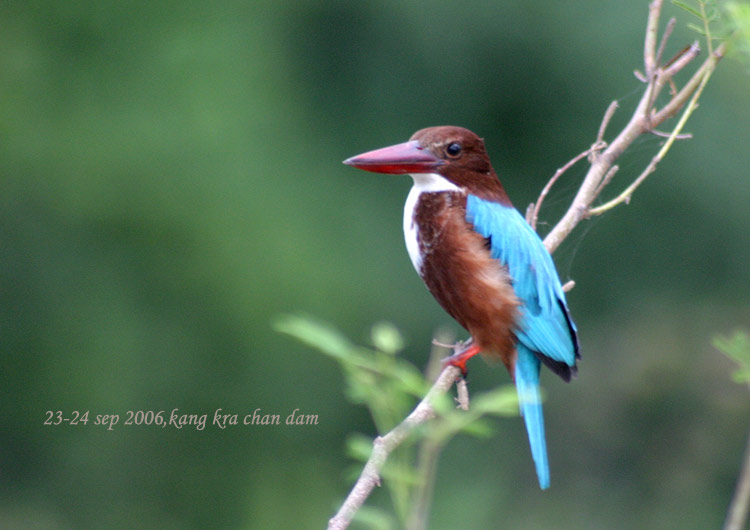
564	370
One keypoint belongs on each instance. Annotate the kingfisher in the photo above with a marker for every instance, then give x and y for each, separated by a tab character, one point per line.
484	264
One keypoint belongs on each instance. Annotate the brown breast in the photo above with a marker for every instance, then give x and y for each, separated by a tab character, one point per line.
460	273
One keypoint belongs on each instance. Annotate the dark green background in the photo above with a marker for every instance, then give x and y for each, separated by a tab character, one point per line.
171	180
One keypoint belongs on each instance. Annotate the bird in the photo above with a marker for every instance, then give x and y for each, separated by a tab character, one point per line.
484	264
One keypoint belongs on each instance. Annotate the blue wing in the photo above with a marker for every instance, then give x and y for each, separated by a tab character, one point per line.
545	326
545	331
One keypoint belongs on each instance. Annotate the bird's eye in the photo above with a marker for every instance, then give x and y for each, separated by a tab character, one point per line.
453	149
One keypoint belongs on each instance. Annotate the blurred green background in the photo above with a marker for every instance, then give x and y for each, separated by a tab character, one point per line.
172	180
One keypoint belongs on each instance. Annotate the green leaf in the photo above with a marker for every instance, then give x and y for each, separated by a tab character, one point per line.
404	474
359	447
479	429
503	401
689	9
314	333
738	14
737	348
411	380
387	338
374	519
698	29
444	404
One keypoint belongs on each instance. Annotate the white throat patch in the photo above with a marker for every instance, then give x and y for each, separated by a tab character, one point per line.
423	183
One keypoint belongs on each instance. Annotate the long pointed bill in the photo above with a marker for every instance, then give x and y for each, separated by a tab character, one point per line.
408	157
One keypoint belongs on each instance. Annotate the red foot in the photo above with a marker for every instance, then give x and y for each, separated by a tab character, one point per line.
459	359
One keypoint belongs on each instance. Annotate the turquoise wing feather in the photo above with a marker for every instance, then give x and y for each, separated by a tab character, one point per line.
545	325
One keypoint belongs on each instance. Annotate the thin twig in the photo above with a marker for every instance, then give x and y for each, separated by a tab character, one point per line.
532	212
671	108
667	33
605	121
664	75
551	182
462	394
681	60
649	46
738	509
607	178
683	136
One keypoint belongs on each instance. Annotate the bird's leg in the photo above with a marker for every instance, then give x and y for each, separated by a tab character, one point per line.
459	359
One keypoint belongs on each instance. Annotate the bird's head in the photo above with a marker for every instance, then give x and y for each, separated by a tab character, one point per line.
455	153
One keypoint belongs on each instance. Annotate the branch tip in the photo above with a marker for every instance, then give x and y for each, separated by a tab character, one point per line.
600	144
568	286
667	33
649	46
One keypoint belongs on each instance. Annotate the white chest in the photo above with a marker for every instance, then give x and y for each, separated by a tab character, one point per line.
423	183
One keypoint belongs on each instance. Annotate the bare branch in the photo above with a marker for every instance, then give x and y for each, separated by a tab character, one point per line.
605	121
644	119
708	66
680	61
624	197
738	509
652	30
607	178
384	445
462	394
529	213
683	136
532	212
628	192
535	210
667	33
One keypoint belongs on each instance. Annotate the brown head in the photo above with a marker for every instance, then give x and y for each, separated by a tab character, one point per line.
455	153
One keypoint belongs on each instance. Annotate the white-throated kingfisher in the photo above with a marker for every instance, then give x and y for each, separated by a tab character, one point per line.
483	263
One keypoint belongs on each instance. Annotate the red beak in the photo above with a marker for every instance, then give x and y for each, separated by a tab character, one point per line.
408	157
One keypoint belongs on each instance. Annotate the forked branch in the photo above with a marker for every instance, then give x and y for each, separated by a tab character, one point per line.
645	118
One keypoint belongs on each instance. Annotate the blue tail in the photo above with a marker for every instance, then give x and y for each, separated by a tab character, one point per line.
527	385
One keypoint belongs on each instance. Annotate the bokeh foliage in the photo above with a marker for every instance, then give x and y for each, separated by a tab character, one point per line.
737	348
390	387
171	181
